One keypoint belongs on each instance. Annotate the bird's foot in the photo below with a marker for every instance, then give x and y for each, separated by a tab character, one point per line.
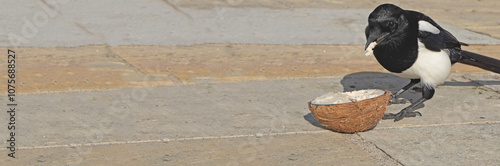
418	89
395	100
402	114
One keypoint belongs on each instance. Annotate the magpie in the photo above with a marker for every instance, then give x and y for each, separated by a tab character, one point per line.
411	45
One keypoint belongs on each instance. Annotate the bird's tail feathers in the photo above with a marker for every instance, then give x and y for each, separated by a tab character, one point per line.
481	61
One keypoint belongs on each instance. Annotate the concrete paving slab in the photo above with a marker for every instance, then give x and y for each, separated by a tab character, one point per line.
477	16
200	110
44	70
72	124
154	22
471	144
72	69
297	149
212	109
460	122
115	118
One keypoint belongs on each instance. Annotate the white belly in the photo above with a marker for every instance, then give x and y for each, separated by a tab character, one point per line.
431	67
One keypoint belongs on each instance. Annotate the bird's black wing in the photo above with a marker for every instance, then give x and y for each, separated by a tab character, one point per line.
440	41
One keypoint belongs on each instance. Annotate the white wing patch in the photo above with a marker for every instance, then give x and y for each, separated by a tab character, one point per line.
428	27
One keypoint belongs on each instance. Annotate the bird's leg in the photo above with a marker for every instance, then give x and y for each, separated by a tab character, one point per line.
395	97
427	93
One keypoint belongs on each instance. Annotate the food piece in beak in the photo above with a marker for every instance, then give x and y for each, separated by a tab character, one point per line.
369	49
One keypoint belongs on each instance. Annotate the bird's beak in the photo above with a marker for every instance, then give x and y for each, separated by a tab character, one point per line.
371	38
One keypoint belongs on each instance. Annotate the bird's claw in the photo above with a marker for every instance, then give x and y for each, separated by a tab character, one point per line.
404	113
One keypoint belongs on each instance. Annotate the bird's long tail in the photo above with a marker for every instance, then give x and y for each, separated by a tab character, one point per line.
480	61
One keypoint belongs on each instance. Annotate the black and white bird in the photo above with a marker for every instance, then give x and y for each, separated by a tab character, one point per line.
411	45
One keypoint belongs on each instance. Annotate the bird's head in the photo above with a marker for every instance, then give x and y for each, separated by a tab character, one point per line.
385	23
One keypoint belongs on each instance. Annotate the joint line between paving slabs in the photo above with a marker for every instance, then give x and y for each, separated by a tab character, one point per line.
123	60
177	9
439	125
387	154
373	150
171	140
234	136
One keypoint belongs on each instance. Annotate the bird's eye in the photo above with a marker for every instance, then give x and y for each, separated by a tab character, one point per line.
391	24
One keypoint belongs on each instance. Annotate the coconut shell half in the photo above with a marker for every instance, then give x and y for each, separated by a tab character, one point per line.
353	116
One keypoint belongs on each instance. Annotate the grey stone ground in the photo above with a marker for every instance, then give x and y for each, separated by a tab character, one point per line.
260	122
242	123
153	22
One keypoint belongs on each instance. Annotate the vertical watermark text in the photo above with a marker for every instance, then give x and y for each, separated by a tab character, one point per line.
11	104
